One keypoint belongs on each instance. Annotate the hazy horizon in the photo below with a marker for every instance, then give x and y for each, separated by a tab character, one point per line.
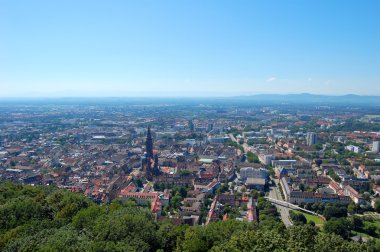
188	49
72	94
263	96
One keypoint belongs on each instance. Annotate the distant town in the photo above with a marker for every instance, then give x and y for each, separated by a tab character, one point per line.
200	162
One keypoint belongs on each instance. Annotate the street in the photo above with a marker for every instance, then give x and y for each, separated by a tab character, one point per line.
245	146
273	192
284	211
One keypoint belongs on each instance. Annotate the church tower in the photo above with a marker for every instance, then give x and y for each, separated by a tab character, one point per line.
150	161
149	144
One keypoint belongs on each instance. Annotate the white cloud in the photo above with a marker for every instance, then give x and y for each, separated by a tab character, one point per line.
270	79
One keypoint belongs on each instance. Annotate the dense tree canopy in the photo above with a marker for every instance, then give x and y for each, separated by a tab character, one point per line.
49	219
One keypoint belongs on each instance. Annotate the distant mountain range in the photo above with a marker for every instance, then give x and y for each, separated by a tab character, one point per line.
313	98
304	98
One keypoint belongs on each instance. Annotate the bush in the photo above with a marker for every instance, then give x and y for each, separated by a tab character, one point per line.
298	218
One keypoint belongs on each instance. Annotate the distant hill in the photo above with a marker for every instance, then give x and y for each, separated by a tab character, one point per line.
313	98
303	98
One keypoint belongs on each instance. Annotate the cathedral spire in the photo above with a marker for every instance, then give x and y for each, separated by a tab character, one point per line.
149	144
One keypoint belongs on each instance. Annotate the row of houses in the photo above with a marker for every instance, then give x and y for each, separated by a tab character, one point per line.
297	197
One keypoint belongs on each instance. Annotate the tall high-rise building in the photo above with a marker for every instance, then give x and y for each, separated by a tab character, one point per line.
311	138
376	146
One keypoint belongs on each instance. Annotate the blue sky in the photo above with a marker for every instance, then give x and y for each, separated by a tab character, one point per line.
188	48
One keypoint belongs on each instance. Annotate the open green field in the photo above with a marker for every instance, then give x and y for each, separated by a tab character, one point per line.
309	217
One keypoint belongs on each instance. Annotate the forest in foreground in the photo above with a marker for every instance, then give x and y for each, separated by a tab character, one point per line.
51	219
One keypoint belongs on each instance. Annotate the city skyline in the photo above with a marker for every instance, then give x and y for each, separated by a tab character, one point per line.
216	125
197	49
